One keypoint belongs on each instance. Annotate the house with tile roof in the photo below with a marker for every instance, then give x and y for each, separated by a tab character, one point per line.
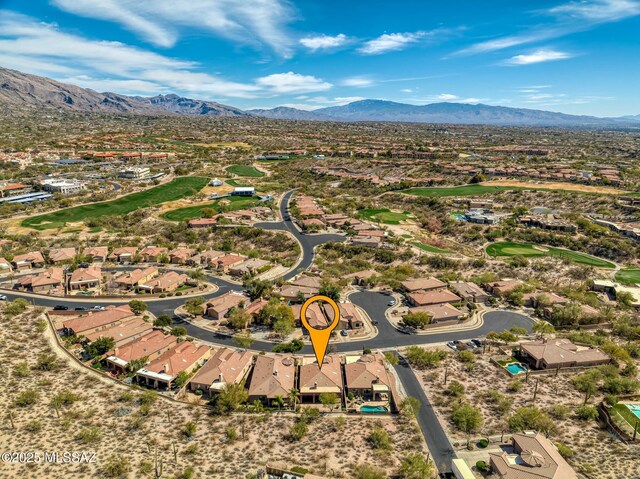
220	306
150	254
30	260
5	266
132	279
440	313
149	346
534	457
85	279
50	281
62	255
422	284
122	333
272	376
438	296
561	353
98	254
169	281
314	380
367	377
181	255
162	371
226	366
123	255
93	321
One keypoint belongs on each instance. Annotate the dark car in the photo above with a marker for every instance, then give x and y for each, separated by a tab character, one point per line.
60	308
477	342
80	308
405	330
374	322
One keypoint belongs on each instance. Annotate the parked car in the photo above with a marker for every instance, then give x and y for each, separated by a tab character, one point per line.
60	308
477	342
452	345
3	297
97	308
391	303
374	322
405	330
471	345
81	308
344	332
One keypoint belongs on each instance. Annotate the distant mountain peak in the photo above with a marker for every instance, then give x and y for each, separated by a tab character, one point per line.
22	90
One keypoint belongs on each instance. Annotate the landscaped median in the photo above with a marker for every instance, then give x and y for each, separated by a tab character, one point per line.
176	189
508	248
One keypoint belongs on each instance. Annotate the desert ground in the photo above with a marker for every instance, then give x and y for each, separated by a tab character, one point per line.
595	451
125	427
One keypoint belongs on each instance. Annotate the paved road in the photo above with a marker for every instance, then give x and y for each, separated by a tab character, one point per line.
374	303
433	433
307	242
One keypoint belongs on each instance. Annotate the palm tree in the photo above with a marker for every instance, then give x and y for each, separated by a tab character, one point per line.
294	396
279	401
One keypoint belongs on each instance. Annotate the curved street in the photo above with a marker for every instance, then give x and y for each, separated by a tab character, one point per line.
373	303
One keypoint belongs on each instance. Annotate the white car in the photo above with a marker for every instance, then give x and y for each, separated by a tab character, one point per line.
391	303
3	297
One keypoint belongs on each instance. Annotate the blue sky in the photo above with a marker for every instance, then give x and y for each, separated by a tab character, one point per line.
580	57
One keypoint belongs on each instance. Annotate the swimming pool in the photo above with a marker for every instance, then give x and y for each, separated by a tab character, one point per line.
373	409
459	217
635	409
516	368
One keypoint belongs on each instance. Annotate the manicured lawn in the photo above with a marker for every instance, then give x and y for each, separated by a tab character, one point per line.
465	190
384	216
430	249
507	248
193	212
233	183
479	189
628	276
174	190
245	170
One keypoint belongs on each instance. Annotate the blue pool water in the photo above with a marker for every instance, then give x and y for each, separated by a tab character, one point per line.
460	217
635	409
516	368
373	409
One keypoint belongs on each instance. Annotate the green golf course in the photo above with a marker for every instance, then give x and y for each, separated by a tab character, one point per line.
430	249
176	189
192	212
628	276
384	216
507	248
480	189
465	190
245	170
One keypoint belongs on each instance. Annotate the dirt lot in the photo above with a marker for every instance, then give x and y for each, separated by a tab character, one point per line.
113	424
558	186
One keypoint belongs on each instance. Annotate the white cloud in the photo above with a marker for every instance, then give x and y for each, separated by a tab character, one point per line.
570	18
292	83
160	21
447	97
324	41
357	82
43	49
539	56
390	42
599	10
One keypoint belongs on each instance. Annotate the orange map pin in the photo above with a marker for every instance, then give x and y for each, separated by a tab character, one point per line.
320	337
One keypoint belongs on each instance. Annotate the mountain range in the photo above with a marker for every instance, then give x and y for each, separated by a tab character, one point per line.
21	90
